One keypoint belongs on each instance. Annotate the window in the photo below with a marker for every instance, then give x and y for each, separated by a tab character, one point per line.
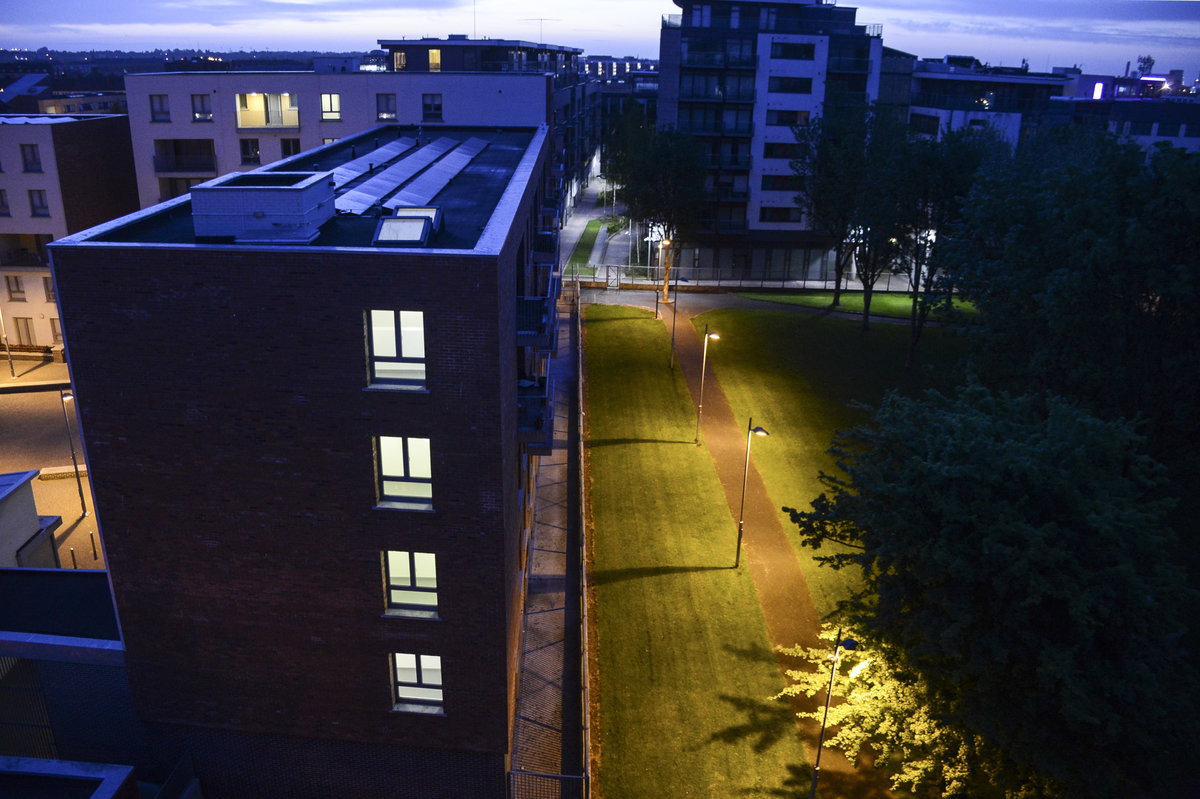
925	124
793	51
201	108
289	147
789	213
1170	129
331	107
776	149
405	480
784	85
431	107
399	61
24	331
4	203
786	119
56	330
31	158
250	152
411	584
16	288
701	16
780	183
48	287
766	19
159	110
396	348
37	203
385	107
255	110
435	60
418	682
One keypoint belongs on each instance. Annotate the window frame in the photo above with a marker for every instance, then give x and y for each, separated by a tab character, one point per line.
289	142
56	330
431	108
387	482
39	209
14	287
425	693
48	287
31	158
204	112
251	150
331	107
160	108
404	347
385	109
412	575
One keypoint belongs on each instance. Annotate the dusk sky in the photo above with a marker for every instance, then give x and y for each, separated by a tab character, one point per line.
1098	35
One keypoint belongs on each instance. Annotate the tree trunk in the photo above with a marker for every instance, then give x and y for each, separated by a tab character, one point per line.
839	269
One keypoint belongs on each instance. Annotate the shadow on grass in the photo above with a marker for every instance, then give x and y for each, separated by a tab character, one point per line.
755	653
609	442
860	784
617	575
767	721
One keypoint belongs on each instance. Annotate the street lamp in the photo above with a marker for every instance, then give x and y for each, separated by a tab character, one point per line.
674	316
63	396
714	336
751	431
838	646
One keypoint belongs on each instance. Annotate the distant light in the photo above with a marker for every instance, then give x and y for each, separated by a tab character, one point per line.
1098	91
859	668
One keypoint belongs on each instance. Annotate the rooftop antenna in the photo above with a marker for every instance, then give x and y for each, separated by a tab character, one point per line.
540	20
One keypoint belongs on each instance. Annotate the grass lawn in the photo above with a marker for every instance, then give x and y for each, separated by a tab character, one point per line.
578	262
882	303
800	377
683	667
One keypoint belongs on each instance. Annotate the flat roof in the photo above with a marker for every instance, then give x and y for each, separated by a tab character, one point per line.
473	176
49	119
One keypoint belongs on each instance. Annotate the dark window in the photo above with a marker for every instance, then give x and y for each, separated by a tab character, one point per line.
926	124
385	107
787	213
250	152
431	107
784	85
289	147
31	158
793	51
780	183
1140	128
777	149
786	118
4	203
16	288
159	110
37	203
201	108
1170	129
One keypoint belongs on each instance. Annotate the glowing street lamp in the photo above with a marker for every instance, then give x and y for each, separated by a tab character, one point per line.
751	432
838	646
703	363
63	396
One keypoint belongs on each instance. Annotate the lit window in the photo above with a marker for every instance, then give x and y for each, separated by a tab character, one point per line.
385	107
37	203
201	108
331	106
411	584
405	480
255	110
31	158
431	107
396	348
160	111
435	60
418	682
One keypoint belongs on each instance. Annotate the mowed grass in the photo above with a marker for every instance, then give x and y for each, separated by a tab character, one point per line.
800	376
896	304
683	668
578	262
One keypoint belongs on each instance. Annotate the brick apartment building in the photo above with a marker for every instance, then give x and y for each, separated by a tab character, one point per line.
315	468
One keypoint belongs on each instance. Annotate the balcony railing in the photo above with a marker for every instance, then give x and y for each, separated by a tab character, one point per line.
730	162
537	318
841	64
177	163
535	414
545	248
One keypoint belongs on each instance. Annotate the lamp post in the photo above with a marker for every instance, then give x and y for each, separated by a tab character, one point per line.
703	363
675	315
751	431
838	646
7	350
63	396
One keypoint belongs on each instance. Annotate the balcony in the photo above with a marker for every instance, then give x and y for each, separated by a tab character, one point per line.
545	248
842	64
537	318
179	163
535	414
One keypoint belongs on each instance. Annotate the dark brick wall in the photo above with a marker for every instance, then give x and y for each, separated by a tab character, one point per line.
95	170
228	438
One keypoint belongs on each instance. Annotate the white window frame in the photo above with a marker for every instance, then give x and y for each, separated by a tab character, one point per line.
396	350
202	108
417	683
410	584
15	287
160	108
404	473
385	107
331	107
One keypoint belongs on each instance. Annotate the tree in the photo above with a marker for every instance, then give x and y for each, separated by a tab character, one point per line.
662	173
1016	559
831	172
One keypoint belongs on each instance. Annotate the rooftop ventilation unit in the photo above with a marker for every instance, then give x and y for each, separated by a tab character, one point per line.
276	207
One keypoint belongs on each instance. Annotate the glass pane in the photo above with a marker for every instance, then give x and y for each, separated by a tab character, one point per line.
383	334
425	569
406	372
413	692
412	334
391	456
398	571
431	670
419	598
407	489
418	458
406	667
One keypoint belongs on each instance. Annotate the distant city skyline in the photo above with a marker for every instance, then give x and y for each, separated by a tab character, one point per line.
1100	36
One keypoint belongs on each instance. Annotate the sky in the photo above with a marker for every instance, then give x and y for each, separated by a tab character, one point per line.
1100	36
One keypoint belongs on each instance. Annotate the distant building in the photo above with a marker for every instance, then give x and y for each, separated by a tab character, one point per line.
58	174
83	103
316	469
739	76
190	127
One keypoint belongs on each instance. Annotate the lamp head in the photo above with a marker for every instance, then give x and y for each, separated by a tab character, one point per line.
760	431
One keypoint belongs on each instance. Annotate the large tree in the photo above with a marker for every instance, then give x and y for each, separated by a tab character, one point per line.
662	172
1016	557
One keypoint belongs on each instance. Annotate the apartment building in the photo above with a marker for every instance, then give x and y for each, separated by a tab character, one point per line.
189	127
739	76
58	175
315	472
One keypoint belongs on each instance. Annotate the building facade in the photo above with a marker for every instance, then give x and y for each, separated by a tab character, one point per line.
316	473
740	76
58	175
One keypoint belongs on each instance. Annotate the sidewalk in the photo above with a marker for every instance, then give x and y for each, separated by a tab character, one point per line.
32	376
